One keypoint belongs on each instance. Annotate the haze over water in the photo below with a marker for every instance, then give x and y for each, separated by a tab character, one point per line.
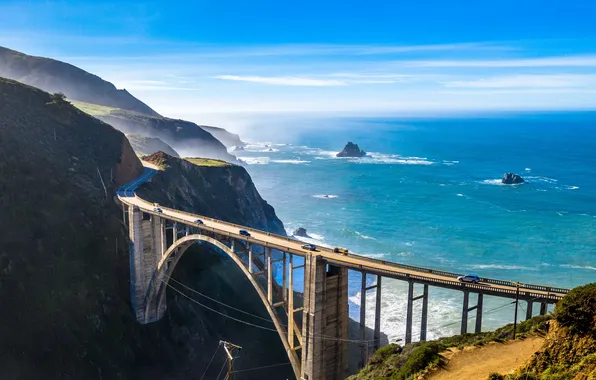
429	194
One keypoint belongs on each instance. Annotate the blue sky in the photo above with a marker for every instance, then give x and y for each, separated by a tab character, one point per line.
197	59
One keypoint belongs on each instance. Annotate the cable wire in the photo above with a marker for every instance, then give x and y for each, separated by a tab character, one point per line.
263	367
210	361
216	301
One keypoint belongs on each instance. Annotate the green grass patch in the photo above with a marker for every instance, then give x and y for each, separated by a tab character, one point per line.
93	109
208	162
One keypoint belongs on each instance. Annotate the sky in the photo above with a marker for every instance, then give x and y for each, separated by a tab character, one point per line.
203	60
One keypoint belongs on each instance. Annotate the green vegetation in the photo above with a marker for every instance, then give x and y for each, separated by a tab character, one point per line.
208	162
399	363
569	351
94	109
578	310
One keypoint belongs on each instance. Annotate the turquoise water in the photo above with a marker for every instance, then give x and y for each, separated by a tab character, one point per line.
429	194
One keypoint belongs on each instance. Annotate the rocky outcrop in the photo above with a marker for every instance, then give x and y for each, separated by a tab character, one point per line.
351	150
238	148
56	76
512	179
300	231
144	146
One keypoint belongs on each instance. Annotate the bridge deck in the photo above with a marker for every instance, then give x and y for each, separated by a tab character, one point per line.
438	278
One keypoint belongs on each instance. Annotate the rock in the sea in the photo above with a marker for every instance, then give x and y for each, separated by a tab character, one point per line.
238	148
300	231
511	179
351	150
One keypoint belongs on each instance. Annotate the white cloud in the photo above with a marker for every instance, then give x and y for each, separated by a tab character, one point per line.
528	81
567	61
284	81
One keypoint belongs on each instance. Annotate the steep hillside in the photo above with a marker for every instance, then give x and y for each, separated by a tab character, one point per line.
188	139
56	76
64	264
227	138
193	187
144	146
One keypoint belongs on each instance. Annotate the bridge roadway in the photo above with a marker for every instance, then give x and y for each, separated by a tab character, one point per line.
500	288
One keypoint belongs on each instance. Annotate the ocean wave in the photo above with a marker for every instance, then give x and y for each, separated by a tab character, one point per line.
503	267
365	236
541	179
528	169
450	163
255	160
409	243
587	267
325	196
572	187
492	182
296	162
459	195
266	150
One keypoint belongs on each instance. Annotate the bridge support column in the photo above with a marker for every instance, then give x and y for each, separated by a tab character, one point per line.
377	333
147	239
409	312
479	306
424	321
250	248
543	308
325	314
529	310
174	232
464	314
364	350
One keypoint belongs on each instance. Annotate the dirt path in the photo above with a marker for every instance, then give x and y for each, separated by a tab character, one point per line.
476	363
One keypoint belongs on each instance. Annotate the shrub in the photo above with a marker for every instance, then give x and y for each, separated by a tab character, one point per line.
495	376
421	357
578	310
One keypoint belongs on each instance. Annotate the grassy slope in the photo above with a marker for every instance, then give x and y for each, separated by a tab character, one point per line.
399	363
208	162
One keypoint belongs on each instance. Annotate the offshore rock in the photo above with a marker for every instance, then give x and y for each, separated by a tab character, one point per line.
511	179
351	150
300	231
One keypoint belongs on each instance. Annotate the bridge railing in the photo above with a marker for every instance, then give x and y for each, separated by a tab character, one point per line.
523	287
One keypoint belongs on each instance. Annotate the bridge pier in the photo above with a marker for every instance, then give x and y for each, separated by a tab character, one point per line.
410	311
529	310
466	309
325	315
543	308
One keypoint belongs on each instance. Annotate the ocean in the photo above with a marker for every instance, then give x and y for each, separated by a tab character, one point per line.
428	193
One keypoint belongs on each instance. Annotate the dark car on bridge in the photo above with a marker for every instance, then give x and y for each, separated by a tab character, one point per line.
244	233
309	247
473	278
199	221
157	209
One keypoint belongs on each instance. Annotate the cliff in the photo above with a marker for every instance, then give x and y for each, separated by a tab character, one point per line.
56	76
212	188
144	146
185	137
64	264
227	138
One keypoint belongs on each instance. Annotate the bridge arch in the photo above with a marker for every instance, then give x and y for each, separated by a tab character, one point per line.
156	294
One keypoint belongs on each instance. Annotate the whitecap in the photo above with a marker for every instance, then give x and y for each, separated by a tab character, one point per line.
572	187
528	169
587	267
255	160
410	243
493	182
296	162
542	179
365	236
459	195
503	267
325	196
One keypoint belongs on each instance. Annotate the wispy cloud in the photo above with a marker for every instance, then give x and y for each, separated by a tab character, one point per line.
528	81
284	81
567	61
